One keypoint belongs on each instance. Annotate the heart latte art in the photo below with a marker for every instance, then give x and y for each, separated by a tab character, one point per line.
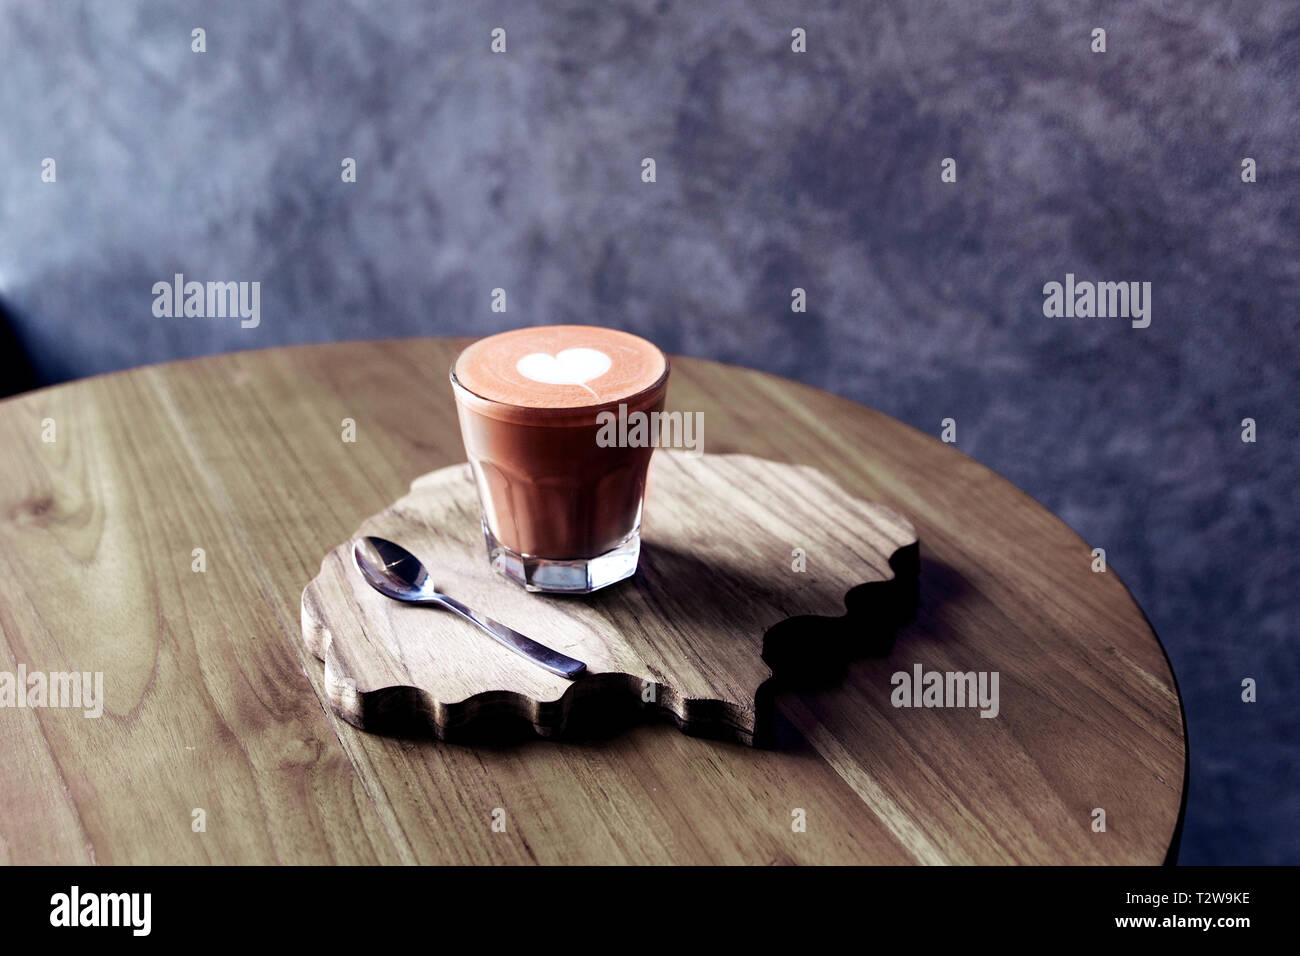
560	366
576	366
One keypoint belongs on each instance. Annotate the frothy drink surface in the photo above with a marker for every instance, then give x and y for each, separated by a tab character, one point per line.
559	366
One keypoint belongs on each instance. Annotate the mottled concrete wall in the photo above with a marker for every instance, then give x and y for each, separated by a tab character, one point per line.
774	170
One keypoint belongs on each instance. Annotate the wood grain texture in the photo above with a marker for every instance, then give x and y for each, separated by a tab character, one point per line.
213	702
685	637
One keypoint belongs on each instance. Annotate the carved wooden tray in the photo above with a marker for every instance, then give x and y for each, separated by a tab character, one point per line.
746	571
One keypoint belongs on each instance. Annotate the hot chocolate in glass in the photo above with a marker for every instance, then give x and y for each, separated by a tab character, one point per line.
561	510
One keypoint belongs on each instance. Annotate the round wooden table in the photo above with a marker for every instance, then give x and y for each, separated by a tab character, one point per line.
164	536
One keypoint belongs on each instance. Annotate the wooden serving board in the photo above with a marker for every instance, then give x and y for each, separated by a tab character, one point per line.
717	608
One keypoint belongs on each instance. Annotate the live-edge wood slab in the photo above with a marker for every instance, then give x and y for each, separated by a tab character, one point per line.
745	569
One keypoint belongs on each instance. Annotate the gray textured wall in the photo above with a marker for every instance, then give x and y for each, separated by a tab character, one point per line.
775	170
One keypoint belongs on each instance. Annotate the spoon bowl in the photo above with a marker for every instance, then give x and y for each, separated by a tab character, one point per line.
392	570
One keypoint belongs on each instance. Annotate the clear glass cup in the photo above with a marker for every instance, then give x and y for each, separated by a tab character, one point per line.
561	510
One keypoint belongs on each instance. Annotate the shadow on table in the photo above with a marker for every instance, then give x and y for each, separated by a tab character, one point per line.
867	632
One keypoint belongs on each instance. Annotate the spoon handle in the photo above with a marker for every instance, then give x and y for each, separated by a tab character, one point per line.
553	661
